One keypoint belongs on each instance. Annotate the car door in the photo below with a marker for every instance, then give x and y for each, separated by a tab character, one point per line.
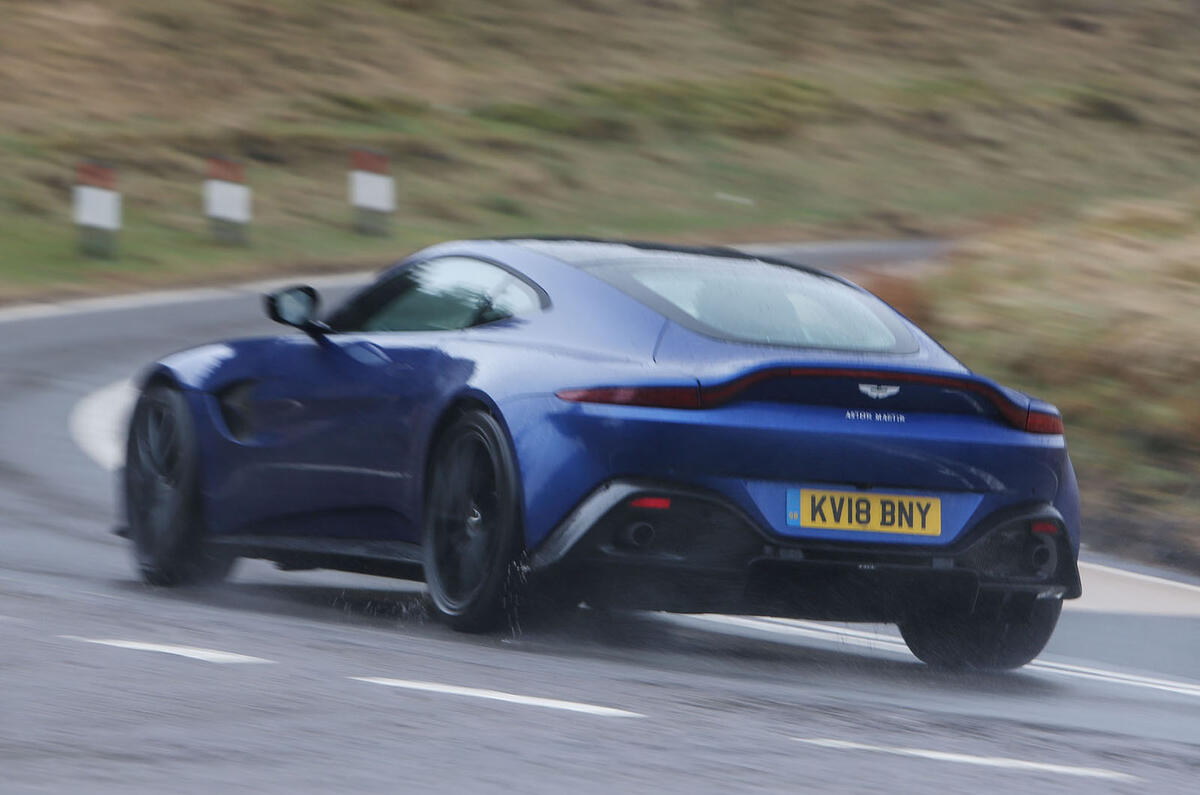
341	419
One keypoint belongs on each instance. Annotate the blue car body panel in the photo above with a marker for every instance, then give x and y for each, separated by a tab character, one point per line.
343	427
746	453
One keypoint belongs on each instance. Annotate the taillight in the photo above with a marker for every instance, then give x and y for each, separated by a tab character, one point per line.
667	397
710	397
1043	527
1043	422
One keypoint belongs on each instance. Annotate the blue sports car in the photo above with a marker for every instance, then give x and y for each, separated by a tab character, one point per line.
626	424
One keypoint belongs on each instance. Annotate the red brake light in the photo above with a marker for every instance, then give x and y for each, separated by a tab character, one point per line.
654	503
1043	422
667	397
1044	527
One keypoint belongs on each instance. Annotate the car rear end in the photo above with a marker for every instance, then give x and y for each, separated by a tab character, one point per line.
802	450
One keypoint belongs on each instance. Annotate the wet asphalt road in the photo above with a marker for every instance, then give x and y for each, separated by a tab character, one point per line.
721	706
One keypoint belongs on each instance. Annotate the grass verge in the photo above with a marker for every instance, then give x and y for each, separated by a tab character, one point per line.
700	120
1101	316
693	119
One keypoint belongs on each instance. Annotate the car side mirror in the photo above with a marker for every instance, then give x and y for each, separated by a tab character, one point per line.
297	307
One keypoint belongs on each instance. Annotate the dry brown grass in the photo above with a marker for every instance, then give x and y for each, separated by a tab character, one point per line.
1101	316
632	117
224	62
620	117
904	291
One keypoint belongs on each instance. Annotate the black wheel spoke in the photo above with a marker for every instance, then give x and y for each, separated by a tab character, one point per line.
155	439
471	563
156	451
457	466
470	522
462	508
143	430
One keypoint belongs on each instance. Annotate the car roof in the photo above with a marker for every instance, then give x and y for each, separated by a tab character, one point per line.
570	270
593	252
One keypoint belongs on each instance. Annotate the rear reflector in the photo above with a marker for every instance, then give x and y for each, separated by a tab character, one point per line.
1044	528
667	397
654	503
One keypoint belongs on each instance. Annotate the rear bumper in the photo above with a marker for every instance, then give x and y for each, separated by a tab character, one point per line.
705	554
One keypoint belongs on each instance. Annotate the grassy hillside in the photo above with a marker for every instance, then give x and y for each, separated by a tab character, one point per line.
701	119
1100	314
706	120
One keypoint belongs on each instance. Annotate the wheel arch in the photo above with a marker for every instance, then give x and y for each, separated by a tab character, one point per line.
161	374
157	375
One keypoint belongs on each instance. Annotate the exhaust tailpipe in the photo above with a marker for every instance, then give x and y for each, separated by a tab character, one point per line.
637	535
1041	556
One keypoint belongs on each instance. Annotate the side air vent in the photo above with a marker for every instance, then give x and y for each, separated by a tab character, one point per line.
235	404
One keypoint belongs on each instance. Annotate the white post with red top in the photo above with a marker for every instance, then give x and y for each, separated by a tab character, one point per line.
372	191
97	208
227	200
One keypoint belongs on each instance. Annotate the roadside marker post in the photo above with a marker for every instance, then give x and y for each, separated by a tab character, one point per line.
227	200
372	192
97	208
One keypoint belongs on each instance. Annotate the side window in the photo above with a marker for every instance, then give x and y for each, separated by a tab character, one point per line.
512	297
442	294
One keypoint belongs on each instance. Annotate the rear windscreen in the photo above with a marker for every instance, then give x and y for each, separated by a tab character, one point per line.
745	300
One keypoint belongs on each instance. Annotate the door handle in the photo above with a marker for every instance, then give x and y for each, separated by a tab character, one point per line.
371	355
367	353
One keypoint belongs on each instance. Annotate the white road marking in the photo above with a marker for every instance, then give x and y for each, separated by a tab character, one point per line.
97	423
110	303
806	629
879	642
871	250
968	759
1119	592
1116	677
207	655
496	695
1134	575
733	199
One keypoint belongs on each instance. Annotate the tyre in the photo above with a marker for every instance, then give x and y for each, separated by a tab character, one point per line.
162	494
472	527
983	640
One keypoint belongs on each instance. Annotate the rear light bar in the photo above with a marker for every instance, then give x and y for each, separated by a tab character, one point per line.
1043	422
698	397
666	397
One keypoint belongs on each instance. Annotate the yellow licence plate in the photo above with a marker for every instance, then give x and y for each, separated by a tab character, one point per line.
872	513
